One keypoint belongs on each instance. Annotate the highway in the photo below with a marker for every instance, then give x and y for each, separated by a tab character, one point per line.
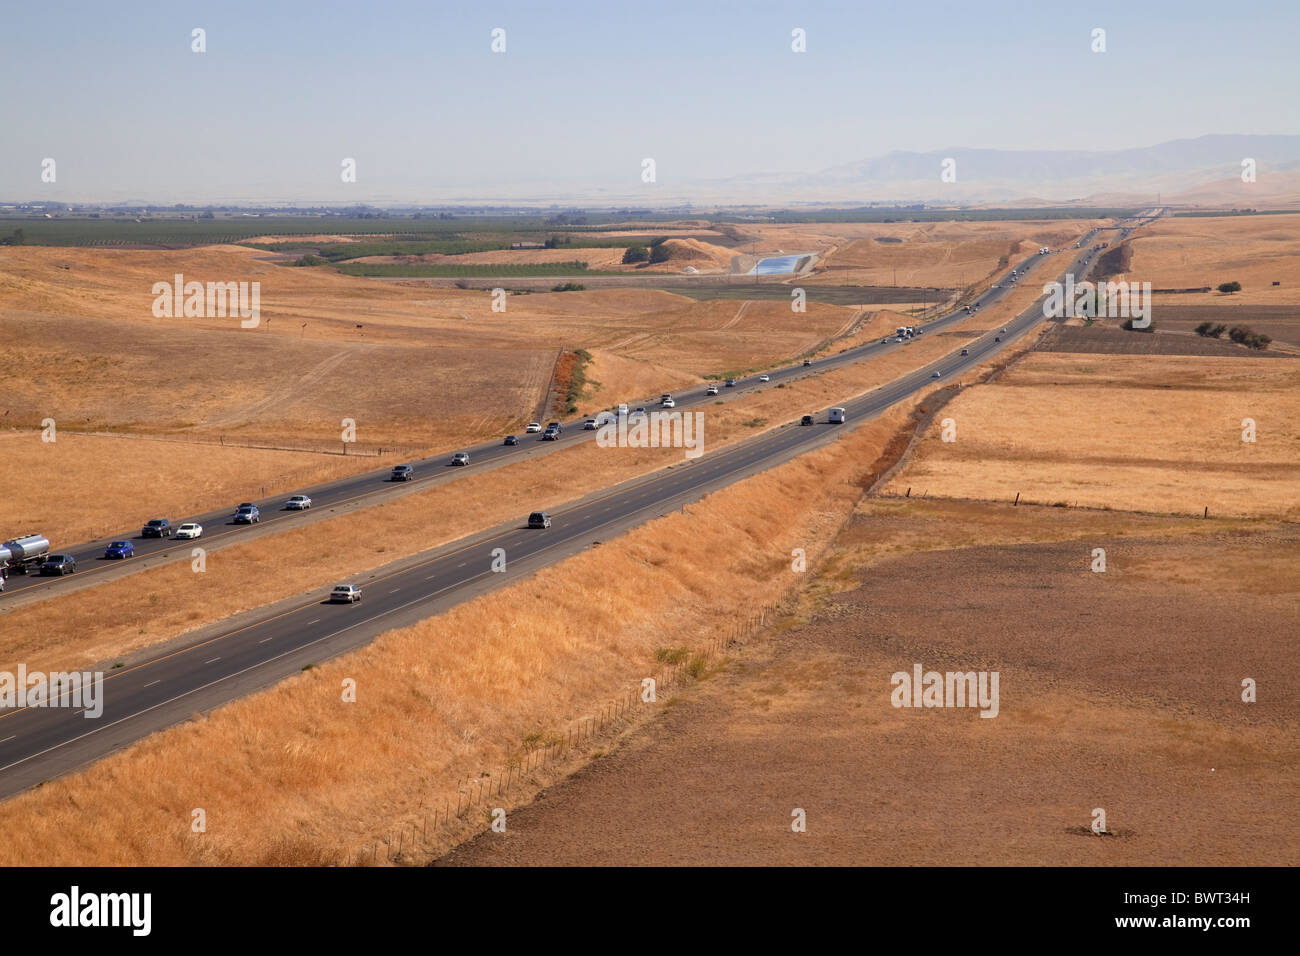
373	487
165	686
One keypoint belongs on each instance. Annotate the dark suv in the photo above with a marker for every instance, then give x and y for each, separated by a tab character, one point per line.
539	519
402	473
157	528
59	564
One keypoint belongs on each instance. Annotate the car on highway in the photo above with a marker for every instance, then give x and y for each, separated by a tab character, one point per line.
807	363
765	378
965	351
558	426
668	403
622	410
550	435
298	503
936	375
157	528
345	594
898	339
539	519
59	564
638	412
836	416
885	340
249	514
731	383
1004	331
460	458
120	549
402	473
589	425
511	440
997	338
191	529
806	420
711	390
532	428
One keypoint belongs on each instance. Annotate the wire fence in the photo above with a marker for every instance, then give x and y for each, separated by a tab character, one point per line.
400	844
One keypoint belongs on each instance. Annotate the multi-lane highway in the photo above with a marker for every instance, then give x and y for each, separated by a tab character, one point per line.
373	486
228	661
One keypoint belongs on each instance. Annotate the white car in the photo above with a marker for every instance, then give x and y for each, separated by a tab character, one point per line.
590	425
765	378
190	530
711	390
936	375
667	403
345	594
533	427
298	503
460	458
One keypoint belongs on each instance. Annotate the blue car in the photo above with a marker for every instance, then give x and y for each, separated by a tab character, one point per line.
120	549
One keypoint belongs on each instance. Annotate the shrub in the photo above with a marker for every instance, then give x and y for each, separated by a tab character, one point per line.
660	253
635	254
569	287
1233	286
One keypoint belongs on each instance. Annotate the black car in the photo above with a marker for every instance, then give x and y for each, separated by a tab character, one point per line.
402	473
559	427
157	528
511	440
807	362
806	420
59	564
539	519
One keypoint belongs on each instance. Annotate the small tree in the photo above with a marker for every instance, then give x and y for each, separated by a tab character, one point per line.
1233	286
635	254
660	253
1204	329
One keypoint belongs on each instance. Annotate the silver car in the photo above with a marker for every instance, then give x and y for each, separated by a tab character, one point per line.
345	594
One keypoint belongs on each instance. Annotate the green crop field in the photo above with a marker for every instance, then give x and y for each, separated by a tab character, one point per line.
168	232
504	270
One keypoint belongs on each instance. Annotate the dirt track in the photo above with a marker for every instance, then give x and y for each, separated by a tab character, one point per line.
1118	690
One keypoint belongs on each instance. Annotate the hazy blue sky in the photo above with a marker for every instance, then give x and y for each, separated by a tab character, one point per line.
711	90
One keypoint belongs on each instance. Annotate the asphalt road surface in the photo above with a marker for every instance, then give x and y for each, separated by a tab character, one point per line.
166	686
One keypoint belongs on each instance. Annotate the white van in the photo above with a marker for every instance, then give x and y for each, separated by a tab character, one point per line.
836	416
622	411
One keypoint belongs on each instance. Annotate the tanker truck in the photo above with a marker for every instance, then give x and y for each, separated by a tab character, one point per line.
24	553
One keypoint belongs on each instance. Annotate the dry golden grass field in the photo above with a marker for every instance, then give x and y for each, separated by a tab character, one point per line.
456	381
1194	252
1136	433
416	368
944	255
1120	691
295	776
